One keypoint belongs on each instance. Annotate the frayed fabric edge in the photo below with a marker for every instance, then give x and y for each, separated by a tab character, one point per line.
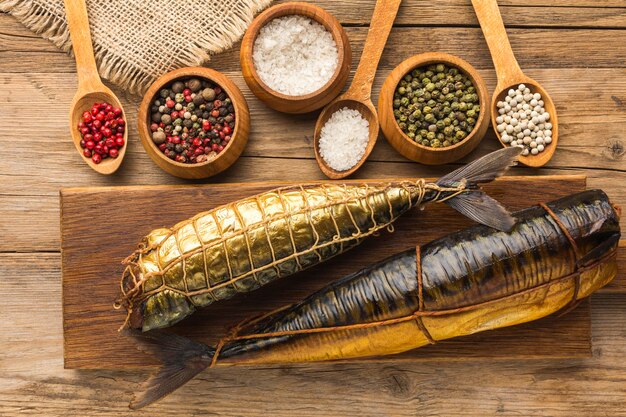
113	67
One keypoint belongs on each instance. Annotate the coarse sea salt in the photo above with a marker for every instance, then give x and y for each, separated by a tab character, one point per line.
343	139
295	55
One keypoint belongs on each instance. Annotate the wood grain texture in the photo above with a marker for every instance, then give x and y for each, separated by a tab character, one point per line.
572	46
308	102
34	383
408	147
555	51
91	265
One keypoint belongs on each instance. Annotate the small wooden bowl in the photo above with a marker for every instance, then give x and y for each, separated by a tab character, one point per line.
224	159
408	147
304	103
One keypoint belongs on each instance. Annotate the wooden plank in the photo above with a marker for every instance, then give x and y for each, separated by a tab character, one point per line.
291	136
29	206
34	383
91	270
22	53
516	13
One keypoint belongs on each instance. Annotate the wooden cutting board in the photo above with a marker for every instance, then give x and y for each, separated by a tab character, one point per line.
91	270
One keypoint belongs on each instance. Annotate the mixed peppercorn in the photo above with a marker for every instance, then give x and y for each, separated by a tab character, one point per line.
436	105
102	131
192	120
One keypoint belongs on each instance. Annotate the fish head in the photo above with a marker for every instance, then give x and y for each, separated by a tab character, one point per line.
593	223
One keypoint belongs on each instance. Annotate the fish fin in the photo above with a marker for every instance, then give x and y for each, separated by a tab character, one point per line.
182	359
477	205
483	209
484	169
596	253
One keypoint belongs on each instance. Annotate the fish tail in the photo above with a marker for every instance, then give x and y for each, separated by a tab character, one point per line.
474	203
181	358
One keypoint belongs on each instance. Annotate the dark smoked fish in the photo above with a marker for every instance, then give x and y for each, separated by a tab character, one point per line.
243	245
470	281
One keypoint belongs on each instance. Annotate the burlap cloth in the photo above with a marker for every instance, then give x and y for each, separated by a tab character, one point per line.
136	41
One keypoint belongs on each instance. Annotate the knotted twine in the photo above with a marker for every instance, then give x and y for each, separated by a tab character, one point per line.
136	41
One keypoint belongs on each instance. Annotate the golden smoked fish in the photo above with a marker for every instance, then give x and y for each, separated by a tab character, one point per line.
238	247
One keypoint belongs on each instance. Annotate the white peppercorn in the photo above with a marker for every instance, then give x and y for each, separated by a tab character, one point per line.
523	121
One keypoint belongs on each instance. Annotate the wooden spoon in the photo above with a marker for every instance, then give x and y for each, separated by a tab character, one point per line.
90	87
358	96
510	75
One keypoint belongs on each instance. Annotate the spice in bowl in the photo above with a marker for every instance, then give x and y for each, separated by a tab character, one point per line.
192	120
343	139
523	121
436	105
295	55
102	132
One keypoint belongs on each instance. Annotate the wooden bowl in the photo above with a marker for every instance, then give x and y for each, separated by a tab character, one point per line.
224	159
304	103
408	147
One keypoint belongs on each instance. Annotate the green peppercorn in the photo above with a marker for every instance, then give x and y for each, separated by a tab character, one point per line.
437	105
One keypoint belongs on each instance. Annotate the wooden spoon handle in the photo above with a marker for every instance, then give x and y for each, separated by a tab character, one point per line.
78	23
380	26
507	68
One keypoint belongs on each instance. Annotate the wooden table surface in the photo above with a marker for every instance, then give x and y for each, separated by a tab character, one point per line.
576	48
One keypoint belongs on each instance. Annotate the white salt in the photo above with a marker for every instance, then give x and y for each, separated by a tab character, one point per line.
295	55
343	139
